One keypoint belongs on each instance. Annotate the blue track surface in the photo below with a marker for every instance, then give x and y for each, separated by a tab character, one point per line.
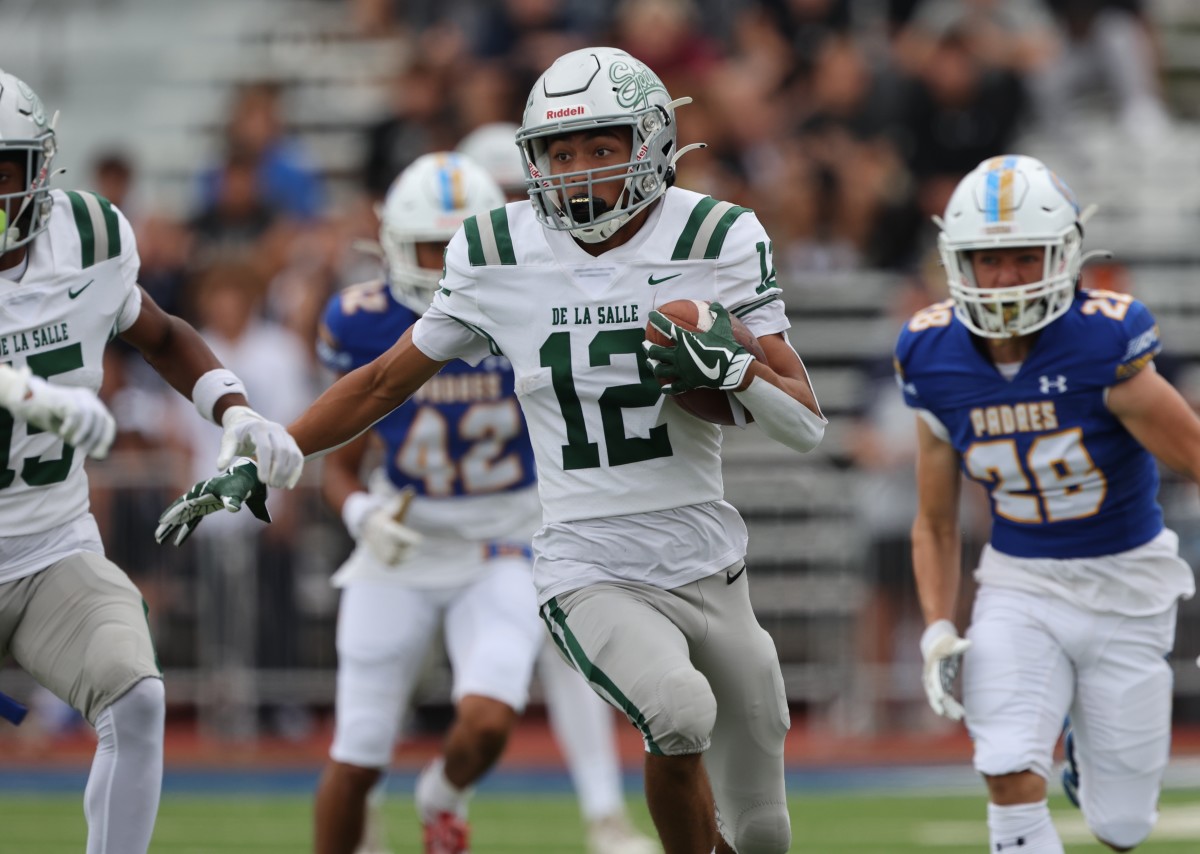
502	781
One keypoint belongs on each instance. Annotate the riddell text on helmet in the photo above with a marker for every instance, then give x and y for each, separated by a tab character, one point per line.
567	112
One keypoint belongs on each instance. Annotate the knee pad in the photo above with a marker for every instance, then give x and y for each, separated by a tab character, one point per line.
689	711
115	660
140	713
763	829
1123	833
364	737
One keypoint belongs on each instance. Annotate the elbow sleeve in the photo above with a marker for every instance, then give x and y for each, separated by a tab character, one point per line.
782	417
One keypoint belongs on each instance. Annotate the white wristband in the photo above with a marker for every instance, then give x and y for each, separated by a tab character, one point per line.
781	416
211	387
355	510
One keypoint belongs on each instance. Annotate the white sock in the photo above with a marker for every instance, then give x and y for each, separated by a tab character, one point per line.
123	788
583	727
1022	829
435	794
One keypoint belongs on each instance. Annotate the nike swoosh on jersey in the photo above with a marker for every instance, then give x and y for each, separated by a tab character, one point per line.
72	294
653	281
729	579
713	372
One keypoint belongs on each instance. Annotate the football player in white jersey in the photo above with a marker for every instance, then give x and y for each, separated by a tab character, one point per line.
403	577
639	561
443	532
71	618
582	722
1046	394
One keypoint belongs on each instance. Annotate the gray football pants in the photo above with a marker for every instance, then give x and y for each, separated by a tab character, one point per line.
694	671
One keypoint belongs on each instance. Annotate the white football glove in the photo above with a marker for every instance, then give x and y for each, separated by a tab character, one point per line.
942	649
73	413
248	434
377	521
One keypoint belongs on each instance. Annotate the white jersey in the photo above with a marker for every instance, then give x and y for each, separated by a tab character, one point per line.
606	440
78	291
608	444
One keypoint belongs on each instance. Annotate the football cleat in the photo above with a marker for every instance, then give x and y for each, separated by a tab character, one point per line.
446	833
615	835
1070	772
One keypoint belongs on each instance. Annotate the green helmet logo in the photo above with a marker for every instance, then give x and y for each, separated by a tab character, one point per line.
37	111
634	83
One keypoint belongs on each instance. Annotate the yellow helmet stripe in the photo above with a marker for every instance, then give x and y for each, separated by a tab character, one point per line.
998	195
451	183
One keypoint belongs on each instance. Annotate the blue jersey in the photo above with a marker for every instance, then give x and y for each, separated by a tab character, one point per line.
462	433
1066	479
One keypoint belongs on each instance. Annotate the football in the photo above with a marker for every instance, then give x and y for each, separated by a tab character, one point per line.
709	404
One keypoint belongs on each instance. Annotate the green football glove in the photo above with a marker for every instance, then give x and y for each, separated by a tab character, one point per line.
237	485
711	359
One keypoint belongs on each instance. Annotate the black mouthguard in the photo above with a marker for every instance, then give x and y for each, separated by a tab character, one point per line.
586	208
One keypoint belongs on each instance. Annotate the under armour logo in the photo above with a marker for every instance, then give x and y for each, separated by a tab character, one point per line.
1058	384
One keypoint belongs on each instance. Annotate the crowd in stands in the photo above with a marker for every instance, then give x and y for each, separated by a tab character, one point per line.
844	125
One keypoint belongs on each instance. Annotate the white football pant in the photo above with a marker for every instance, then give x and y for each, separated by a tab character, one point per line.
492	635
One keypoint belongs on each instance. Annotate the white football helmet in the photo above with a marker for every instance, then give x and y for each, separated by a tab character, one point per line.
586	89
1010	201
26	137
427	203
494	147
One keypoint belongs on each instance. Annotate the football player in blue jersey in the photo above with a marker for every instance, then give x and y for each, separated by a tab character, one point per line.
1046	394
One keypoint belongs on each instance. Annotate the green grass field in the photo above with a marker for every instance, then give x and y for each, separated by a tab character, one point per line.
838	824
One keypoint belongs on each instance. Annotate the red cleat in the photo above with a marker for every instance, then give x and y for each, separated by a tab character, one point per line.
446	834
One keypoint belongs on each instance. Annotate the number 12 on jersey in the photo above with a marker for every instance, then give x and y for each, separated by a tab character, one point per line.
580	452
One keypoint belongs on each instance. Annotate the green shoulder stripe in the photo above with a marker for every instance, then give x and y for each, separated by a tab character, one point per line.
704	234
746	308
488	240
99	232
492	345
